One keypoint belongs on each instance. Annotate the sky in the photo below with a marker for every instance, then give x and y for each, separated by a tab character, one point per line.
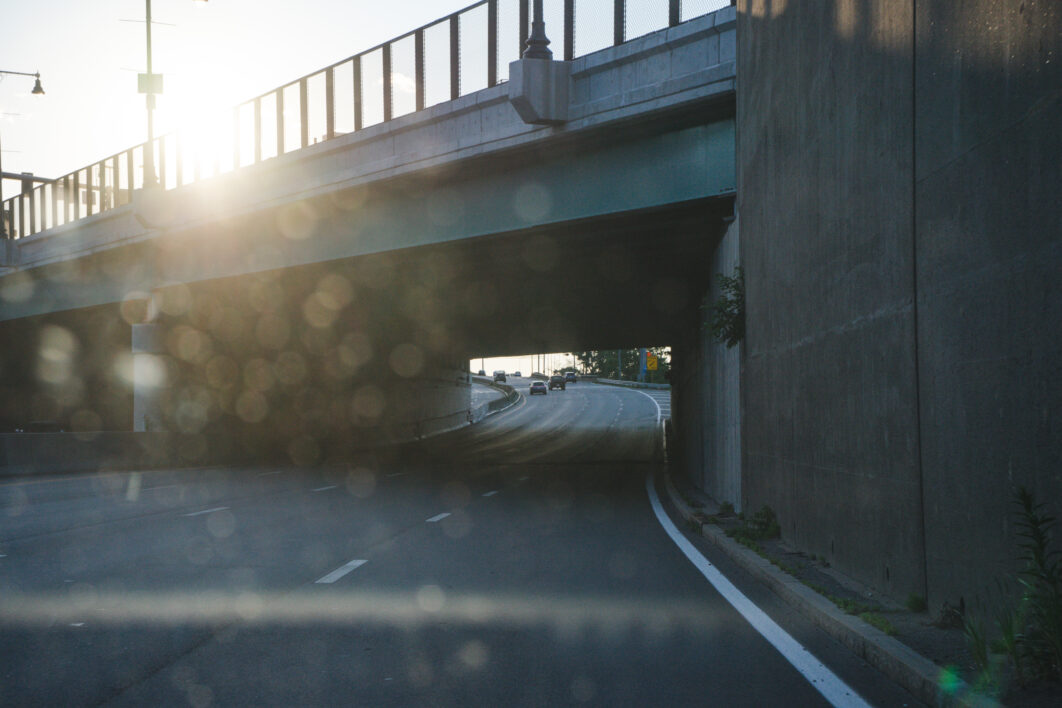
218	53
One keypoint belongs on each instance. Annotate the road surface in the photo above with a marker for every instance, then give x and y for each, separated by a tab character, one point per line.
515	562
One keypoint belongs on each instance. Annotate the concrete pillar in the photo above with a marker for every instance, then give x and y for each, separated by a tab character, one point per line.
149	377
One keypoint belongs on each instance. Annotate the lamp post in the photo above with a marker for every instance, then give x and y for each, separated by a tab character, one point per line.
38	90
538	43
150	84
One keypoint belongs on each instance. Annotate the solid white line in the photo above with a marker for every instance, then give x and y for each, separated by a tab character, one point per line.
208	511
341	571
396	474
832	688
438	517
658	413
266	474
488	494
325	489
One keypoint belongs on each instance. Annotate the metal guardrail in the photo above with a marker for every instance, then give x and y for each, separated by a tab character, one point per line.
438	62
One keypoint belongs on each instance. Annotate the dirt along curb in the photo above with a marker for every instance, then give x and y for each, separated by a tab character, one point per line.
925	680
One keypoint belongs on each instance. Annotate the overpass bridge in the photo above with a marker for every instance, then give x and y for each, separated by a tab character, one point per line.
335	266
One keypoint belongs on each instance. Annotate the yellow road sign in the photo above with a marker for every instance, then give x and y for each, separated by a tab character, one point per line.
650	361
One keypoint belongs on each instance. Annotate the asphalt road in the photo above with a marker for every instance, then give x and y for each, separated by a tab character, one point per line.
517	562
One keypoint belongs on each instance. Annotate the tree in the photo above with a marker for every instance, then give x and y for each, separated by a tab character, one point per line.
604	363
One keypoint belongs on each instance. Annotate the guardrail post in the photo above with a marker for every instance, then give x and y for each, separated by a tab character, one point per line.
673	16
492	43
330	103
619	22
357	92
280	122
455	57
418	62
304	113
569	30
387	83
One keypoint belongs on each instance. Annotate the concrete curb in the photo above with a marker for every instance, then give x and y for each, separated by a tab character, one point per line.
896	660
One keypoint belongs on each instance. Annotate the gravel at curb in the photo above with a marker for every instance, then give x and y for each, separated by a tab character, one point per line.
896	660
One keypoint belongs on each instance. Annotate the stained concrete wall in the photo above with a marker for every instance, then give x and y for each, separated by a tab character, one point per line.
899	197
706	388
988	220
824	159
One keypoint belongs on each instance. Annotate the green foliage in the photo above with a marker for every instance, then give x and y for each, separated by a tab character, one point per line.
916	603
1041	582
1029	628
876	620
727	314
606	363
726	509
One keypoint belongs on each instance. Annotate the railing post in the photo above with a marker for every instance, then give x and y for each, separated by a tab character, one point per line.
31	196
179	158
280	122
236	138
88	191
116	182
569	30
492	43
257	130
455	57
673	15
418	68
304	113
162	163
524	30
357	93
130	173
77	196
330	103
387	83
619	22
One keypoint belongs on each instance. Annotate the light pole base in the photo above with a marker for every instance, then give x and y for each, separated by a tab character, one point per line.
538	90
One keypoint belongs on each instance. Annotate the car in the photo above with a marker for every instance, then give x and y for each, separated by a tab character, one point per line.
516	374
538	387
569	377
499	376
556	381
481	373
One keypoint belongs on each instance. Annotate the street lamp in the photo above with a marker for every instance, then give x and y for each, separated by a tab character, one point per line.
150	84
38	90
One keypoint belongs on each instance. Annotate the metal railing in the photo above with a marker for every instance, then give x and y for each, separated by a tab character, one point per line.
438	62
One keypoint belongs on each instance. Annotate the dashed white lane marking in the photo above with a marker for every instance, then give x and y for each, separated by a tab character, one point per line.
341	571
3	555
832	688
524	479
163	486
266	474
488	494
438	517
207	511
77	624
325	489
396	474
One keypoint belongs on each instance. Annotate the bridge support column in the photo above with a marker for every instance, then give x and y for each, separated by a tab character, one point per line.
149	376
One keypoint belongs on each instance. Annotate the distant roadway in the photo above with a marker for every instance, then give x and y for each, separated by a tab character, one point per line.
515	562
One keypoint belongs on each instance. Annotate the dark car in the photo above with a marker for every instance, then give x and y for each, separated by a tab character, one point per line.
481	373
538	387
499	376
556	381
569	377
516	374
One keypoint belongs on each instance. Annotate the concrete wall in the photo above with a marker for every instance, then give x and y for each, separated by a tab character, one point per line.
899	198
824	159
706	391
721	388
988	220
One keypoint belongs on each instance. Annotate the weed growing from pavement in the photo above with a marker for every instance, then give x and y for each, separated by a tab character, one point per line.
916	603
1025	634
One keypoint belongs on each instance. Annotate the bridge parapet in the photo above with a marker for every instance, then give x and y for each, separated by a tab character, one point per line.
679	69
448	59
